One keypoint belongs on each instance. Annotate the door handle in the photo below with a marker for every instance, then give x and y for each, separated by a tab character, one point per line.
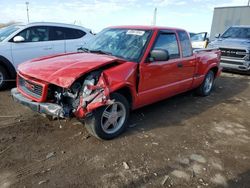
179	65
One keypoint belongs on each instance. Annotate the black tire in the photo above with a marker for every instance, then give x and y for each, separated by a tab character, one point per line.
3	77
95	121
202	90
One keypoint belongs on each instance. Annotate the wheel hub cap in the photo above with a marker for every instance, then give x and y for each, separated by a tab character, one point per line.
113	117
208	83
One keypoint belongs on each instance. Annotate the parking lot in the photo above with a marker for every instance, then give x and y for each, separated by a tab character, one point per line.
185	141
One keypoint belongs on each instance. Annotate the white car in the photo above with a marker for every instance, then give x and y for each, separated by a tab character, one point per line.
199	40
19	43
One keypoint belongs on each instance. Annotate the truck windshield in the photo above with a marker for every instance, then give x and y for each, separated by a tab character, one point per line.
7	31
237	32
127	44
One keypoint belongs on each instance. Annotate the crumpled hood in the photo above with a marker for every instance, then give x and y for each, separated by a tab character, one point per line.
232	43
64	69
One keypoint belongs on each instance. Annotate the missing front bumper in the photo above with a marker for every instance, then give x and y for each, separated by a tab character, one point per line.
50	109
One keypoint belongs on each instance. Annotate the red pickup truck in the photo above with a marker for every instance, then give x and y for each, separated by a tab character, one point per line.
122	69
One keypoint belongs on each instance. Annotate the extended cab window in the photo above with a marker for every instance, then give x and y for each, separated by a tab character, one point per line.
187	50
168	41
35	34
63	33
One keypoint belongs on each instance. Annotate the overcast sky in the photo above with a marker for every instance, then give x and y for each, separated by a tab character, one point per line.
192	15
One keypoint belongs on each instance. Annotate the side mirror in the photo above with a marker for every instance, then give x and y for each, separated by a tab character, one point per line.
159	55
18	39
217	35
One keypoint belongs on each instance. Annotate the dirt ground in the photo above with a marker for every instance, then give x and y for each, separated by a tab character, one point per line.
186	141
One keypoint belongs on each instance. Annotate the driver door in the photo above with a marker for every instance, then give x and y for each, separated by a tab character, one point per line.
159	79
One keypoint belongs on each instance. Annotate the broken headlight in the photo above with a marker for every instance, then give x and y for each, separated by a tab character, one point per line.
86	84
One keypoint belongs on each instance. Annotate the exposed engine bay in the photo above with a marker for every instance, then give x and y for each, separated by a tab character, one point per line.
83	96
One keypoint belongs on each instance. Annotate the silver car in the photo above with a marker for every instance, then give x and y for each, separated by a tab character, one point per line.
234	44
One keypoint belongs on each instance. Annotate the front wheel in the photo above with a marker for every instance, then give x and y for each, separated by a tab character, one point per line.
109	121
3	78
207	85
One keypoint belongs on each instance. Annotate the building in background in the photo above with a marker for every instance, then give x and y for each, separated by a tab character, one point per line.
225	17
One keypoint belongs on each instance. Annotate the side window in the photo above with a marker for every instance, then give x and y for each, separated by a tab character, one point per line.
187	50
73	33
168	41
64	33
57	33
35	34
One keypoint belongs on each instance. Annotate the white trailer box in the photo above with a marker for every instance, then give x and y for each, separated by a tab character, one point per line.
225	17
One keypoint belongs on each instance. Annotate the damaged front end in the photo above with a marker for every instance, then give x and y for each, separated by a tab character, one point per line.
84	96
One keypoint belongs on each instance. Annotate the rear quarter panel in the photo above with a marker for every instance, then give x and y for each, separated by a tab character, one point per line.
206	60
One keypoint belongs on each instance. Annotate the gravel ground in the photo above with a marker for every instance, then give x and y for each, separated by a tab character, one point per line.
186	141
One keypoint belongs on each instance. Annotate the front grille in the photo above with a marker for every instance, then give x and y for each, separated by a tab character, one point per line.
30	88
233	53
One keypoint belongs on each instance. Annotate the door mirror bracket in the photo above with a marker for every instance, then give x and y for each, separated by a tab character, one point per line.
217	35
159	55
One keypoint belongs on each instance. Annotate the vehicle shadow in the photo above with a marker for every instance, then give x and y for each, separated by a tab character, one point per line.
175	110
242	181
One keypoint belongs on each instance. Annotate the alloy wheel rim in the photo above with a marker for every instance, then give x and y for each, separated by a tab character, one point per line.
209	83
113	117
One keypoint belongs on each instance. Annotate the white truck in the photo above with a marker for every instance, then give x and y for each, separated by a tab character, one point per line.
19	43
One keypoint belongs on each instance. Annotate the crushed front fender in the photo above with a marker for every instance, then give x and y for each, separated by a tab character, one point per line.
99	97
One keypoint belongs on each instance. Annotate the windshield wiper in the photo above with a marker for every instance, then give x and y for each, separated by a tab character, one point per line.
81	49
100	52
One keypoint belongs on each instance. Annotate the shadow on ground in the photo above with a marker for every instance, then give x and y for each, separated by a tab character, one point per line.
242	181
175	110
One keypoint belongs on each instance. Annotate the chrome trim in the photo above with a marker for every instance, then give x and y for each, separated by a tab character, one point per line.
50	109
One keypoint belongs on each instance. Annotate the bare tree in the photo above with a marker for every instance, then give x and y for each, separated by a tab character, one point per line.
7	24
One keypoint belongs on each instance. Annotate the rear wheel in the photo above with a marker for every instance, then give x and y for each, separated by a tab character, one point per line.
109	121
3	78
207	85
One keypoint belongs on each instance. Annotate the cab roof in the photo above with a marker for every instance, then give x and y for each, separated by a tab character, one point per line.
144	27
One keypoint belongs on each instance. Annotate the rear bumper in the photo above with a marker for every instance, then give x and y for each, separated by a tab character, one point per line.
50	109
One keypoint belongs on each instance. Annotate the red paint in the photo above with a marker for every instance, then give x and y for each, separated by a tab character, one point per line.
35	81
63	70
147	82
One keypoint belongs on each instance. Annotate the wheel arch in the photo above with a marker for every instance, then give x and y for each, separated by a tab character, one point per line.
214	68
8	66
127	93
